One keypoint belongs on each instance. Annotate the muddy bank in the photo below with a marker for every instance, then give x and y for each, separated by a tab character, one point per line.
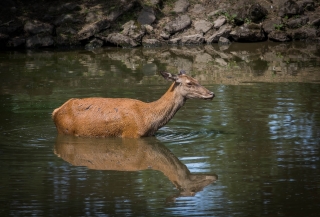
133	23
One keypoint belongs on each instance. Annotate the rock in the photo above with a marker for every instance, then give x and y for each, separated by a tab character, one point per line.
198	9
257	12
146	16
289	8
175	41
223	41
248	33
165	35
64	19
66	36
192	39
279	36
151	43
303	33
65	8
224	31
16	42
12	29
39	41
123	7
202	26
221	61
181	6
149	29
89	30
3	39
270	25
315	22
297	22
134	31
219	22
307	5
121	40
92	17
93	44
37	27
216	12
179	24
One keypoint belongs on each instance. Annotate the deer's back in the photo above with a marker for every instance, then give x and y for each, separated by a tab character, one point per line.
100	117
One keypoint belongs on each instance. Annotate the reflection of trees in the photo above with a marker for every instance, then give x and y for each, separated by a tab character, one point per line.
33	72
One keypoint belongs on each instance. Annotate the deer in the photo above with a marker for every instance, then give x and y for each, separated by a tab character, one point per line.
124	117
121	154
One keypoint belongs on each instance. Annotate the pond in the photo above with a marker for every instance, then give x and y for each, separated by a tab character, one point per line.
259	137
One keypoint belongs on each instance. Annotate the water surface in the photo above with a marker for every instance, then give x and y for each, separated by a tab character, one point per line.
260	135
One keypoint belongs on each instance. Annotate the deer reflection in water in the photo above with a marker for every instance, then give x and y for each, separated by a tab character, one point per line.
131	155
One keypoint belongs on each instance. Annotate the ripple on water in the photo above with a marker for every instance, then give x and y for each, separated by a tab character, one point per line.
184	134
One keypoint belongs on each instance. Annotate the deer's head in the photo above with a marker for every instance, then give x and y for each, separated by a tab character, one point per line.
188	87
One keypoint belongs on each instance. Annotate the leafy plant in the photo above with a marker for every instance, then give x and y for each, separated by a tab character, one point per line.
278	26
247	20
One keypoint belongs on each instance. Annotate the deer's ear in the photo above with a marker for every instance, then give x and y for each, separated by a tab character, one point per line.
169	76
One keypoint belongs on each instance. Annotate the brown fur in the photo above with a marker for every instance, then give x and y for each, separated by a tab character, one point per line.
121	117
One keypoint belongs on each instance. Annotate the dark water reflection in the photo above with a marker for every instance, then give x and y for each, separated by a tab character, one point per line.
260	135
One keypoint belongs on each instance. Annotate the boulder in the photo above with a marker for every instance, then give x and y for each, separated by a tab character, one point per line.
39	41
248	10
294	23
177	25
192	39
307	5
198	9
65	18
151	43
223	41
174	41
3	39
134	31
181	6
120	40
248	33
279	36
315	22
224	31
219	22
270	25
289	8
93	44
257	12
146	16
303	33
202	26
16	42
93	28
36	27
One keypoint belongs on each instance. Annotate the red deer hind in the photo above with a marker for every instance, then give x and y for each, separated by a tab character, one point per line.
122	117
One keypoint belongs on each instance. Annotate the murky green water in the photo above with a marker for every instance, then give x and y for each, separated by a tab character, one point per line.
260	134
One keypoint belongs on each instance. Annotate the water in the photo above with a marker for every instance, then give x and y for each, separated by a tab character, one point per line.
260	135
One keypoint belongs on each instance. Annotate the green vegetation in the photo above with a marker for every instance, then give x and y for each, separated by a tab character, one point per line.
278	26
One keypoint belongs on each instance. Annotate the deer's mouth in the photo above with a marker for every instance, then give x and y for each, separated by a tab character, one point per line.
208	97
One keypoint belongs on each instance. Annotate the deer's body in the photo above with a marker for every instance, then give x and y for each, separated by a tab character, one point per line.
121	117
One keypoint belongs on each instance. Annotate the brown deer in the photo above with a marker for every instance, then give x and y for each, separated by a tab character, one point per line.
122	117
131	155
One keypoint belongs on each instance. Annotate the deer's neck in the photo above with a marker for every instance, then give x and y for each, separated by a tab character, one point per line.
163	110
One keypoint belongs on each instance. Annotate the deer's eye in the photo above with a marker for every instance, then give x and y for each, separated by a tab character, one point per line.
189	84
